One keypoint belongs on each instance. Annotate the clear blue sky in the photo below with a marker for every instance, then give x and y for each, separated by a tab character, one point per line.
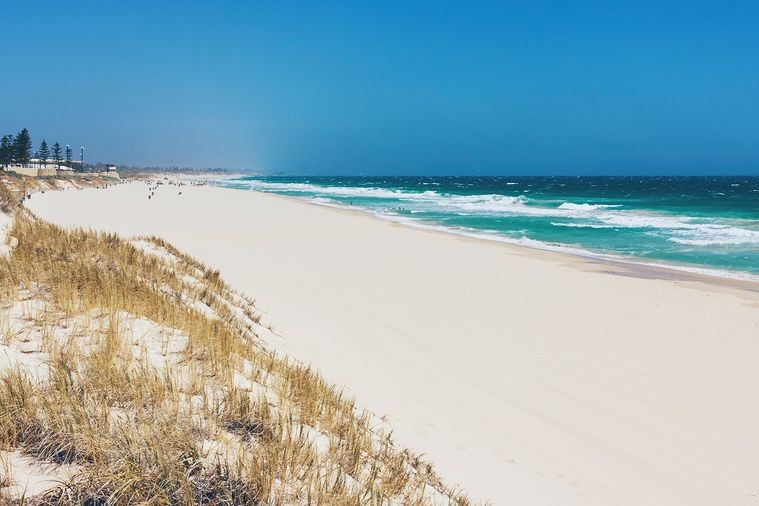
390	87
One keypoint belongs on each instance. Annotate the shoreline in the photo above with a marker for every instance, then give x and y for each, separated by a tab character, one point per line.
524	375
640	267
595	262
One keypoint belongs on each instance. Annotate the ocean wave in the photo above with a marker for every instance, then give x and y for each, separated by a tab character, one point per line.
678	229
687	230
587	207
322	200
716	235
581	225
343	191
485	204
481	203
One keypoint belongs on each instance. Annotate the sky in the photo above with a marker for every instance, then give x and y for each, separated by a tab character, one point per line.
390	87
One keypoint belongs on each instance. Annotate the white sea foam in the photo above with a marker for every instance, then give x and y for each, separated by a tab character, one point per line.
344	191
687	230
678	229
322	200
580	225
486	204
587	207
715	235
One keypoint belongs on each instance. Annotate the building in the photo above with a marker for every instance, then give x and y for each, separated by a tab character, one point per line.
40	168
75	165
110	170
64	169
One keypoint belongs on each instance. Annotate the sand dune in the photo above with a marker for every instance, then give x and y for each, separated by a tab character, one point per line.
527	377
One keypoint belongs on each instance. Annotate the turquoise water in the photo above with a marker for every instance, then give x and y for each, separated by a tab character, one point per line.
705	223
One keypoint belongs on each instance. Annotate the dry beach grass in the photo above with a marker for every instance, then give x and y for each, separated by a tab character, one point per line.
140	376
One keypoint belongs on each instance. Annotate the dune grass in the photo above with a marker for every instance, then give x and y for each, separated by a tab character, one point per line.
191	408
8	201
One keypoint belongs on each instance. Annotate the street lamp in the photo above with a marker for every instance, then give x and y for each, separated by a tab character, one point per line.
81	157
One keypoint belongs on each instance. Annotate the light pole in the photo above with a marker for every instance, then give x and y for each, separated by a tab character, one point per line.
81	157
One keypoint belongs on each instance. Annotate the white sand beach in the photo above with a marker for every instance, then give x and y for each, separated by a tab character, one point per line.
526	377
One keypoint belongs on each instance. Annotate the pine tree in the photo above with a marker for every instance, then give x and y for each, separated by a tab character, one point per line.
6	150
22	147
69	154
57	154
44	152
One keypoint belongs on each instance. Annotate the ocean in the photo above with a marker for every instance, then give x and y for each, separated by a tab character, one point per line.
701	224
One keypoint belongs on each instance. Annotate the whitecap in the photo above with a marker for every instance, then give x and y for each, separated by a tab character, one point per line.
715	235
580	225
587	207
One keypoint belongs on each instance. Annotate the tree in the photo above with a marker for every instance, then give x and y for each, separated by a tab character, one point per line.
44	152
69	154
6	150
57	154
22	147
